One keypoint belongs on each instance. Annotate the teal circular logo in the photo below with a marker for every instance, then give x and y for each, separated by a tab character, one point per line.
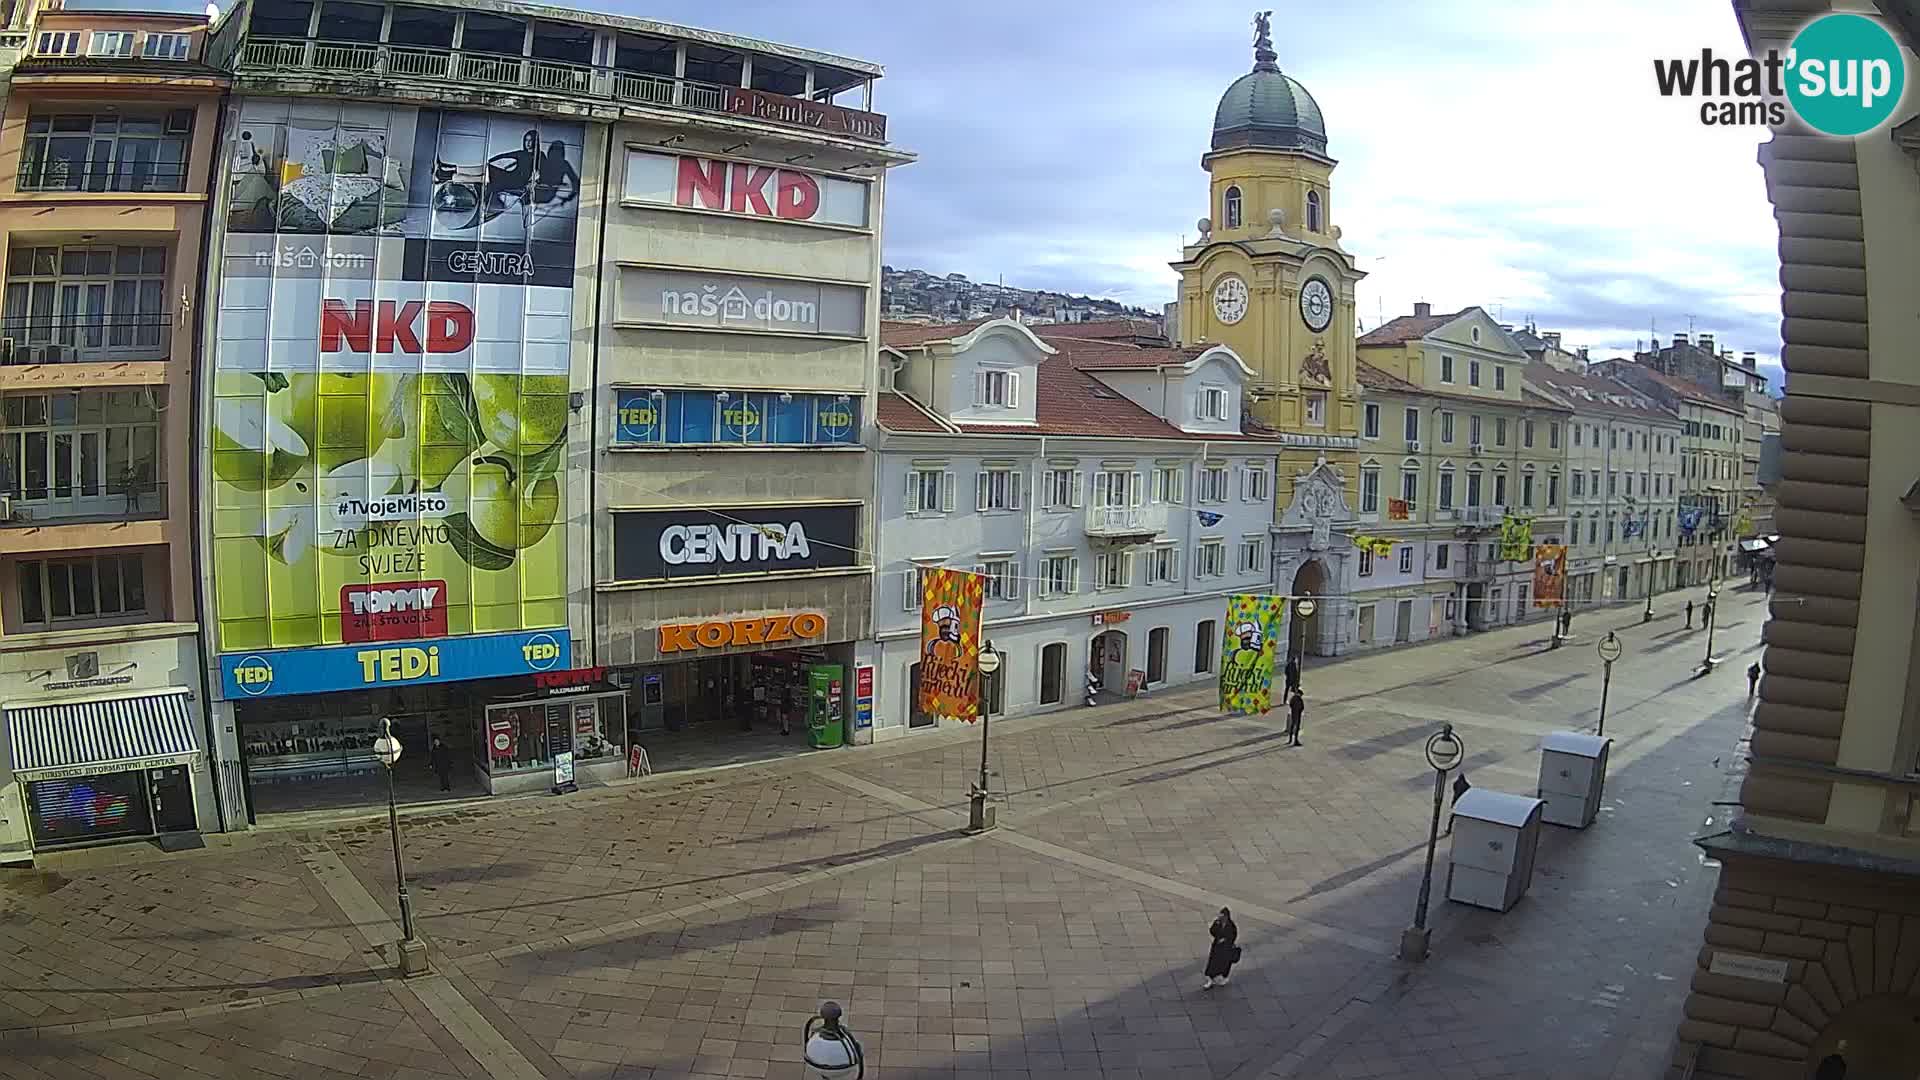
1845	74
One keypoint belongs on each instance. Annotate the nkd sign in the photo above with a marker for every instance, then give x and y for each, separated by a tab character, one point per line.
732	302
746	188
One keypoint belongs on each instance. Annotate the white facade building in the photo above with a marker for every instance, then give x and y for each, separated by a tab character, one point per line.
1105	490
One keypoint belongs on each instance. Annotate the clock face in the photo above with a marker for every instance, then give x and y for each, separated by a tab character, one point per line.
1316	304
1230	300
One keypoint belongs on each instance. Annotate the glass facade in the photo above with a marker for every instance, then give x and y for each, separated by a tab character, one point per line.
734	418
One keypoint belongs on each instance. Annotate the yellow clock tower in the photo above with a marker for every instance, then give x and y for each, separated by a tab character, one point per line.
1268	277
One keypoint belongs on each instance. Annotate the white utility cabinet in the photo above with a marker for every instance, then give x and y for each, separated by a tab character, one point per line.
1573	776
1494	838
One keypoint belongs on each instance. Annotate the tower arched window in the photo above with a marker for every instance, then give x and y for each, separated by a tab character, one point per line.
1313	211
1231	210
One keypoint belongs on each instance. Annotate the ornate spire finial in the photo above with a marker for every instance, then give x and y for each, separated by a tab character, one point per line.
1264	58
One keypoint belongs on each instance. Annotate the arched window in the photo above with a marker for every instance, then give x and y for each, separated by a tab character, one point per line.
1313	211
1231	210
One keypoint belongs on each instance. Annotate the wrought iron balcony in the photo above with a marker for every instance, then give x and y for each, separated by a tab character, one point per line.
85	339
481	71
1130	524
62	174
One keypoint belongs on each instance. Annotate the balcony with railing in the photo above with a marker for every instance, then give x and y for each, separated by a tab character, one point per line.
78	499
1127	524
480	72
85	339
61	174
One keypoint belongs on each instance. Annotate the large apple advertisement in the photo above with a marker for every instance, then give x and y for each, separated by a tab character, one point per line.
389	425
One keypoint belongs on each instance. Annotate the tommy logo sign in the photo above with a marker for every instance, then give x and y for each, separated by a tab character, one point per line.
395	326
393	611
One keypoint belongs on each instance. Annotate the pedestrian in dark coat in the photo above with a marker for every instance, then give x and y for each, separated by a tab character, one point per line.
1296	707
1753	678
442	760
1225	951
1293	673
1689	614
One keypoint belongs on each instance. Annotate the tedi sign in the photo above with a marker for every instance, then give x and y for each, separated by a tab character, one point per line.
1843	75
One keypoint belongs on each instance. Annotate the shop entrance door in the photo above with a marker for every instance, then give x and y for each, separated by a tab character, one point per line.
172	792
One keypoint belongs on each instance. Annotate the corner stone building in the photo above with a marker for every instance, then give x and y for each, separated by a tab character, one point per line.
1811	961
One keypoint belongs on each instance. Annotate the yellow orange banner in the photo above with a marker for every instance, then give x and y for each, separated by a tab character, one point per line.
950	603
1549	575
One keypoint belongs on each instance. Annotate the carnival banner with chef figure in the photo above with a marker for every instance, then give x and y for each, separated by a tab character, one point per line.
1246	659
950	602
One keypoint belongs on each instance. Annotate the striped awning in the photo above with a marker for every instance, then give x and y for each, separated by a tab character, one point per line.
76	738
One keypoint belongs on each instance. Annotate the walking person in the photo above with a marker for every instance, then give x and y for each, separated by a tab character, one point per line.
1225	951
1296	707
1293	673
1689	614
442	760
1753	678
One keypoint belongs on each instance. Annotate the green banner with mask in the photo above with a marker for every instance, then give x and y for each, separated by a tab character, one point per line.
1246	657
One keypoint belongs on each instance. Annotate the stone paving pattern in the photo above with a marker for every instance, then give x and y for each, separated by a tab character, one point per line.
687	926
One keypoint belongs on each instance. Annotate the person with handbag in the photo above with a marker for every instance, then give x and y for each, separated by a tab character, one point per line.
1225	951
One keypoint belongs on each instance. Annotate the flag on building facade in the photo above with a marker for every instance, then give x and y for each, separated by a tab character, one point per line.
1549	575
950	603
1399	510
1516	539
1208	518
1690	520
1380	546
1246	657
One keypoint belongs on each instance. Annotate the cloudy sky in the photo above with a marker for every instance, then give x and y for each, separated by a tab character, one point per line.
1507	153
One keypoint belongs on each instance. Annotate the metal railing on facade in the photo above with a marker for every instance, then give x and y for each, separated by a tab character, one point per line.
62	174
31	339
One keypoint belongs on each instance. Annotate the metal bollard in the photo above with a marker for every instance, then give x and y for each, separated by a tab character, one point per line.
831	1052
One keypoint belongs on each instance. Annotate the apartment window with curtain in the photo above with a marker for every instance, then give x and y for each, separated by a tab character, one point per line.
89	589
80	453
136	150
65	304
1369	491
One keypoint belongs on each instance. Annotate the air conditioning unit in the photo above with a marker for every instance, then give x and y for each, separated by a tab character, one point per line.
1413	446
1475	449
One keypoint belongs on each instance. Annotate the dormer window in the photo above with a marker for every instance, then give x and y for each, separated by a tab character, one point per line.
1213	403
1230	211
997	388
1313	211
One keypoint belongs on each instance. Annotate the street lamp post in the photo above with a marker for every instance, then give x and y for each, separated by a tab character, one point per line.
1712	613
413	951
988	663
1609	652
1444	751
1304	608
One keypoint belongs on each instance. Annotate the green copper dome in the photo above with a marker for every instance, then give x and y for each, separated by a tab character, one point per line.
1268	109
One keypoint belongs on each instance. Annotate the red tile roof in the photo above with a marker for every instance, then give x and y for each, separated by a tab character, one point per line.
1093	355
1376	379
906	335
1589	392
1628	371
897	413
1407	328
1138	331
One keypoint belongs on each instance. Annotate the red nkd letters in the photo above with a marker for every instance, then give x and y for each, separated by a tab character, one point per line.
394	326
738	188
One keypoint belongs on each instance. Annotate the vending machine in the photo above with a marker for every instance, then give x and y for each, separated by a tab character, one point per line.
826	705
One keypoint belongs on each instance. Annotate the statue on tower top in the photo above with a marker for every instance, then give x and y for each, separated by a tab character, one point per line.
1264	58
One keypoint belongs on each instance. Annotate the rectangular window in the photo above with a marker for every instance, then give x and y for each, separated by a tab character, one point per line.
1059	575
1370	415
138	150
1499	431
1473	373
1499	377
1446	489
58	43
1211	559
1213	404
1410	489
1170	485
66	304
1406	558
1612	483
1446	427
1553	436
1609	530
1577	429
1060	489
1499	489
1213	484
1613	438
1412	425
1579	489
1113	570
1253	555
1203	647
165	46
1473	489
1316	408
1366	562
996	489
1369	491
54	591
1473	430
111	43
929	491
1002	576
1643	485
1163	564
81	452
1593	483
1000	388
1526	489
1442	556
1446	369
1593	532
910	587
1526	434
1254	482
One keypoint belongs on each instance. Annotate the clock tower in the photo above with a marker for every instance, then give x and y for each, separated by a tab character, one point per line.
1268	278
